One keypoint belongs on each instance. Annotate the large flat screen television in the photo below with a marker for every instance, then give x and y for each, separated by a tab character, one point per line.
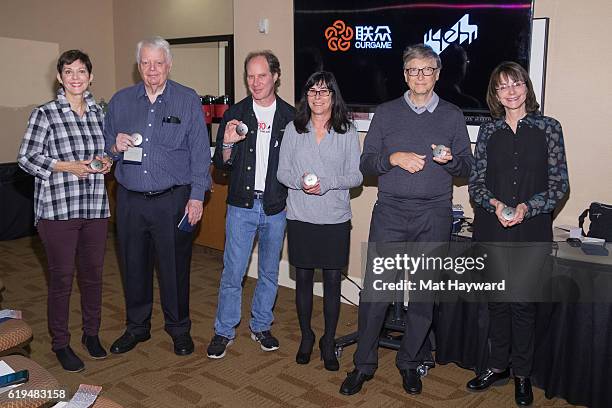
361	42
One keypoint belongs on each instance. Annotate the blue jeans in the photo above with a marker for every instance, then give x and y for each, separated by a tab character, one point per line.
240	228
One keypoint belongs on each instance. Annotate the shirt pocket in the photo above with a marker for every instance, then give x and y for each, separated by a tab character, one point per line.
172	134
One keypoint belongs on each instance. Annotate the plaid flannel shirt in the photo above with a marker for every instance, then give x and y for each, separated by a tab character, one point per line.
56	133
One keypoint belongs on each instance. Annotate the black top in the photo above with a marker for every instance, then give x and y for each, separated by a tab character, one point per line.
242	161
528	167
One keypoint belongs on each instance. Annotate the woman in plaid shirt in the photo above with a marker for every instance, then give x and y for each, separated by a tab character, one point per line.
62	139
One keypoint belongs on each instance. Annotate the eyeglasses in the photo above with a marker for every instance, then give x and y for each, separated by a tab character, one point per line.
427	71
321	92
506	87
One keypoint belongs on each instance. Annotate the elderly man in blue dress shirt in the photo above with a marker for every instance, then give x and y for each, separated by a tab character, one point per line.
156	132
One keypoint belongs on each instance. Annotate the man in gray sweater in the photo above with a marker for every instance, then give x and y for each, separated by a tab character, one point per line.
414	202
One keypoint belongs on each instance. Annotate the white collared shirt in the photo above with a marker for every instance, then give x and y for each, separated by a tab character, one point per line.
429	106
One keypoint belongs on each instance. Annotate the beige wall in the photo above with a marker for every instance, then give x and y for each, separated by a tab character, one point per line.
46	27
197	66
578	94
137	19
247	14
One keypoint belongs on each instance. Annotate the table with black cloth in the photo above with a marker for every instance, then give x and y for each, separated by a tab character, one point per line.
573	341
17	202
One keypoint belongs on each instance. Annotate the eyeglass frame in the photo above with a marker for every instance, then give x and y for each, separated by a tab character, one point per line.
421	71
506	88
319	92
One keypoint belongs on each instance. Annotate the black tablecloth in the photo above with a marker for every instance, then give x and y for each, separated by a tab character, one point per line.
573	342
16	202
573	355
462	334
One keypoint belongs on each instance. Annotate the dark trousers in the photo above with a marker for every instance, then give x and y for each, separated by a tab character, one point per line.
396	223
85	240
148	235
512	333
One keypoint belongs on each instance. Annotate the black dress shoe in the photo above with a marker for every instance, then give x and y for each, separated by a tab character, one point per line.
523	395
353	382
183	344
411	381
127	341
93	346
328	354
488	378
69	361
305	350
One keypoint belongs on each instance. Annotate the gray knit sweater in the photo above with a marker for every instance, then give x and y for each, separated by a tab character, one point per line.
397	128
335	161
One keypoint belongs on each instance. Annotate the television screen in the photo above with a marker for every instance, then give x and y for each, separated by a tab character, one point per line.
361	42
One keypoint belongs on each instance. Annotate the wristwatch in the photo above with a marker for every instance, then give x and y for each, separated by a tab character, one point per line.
108	157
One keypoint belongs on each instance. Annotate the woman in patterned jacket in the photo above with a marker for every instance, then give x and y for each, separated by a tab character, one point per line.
63	147
519	163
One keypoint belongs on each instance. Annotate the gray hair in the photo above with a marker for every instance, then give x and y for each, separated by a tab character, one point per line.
155	42
421	51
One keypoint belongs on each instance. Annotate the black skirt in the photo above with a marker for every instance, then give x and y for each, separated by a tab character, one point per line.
318	246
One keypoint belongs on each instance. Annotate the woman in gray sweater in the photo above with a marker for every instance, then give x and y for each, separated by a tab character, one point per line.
319	163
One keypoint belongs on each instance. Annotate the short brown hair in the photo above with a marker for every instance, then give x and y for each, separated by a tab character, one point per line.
273	64
68	57
514	71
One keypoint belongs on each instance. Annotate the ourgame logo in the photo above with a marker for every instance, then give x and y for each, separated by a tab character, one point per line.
339	36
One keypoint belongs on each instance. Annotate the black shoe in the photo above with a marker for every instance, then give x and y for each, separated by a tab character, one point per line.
353	382
266	340
305	350
523	395
127	341
93	347
69	361
183	344
411	381
488	378
218	345
328	354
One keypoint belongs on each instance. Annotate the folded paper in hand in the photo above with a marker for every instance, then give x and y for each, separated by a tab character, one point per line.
184	224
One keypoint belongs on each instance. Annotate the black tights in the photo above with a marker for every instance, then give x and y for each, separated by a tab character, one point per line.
332	279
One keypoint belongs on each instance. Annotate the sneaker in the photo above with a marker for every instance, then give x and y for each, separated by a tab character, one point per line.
217	346
266	340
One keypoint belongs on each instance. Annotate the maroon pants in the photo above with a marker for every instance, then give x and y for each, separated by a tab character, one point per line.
65	241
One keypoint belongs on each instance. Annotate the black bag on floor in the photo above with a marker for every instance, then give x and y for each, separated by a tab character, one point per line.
600	216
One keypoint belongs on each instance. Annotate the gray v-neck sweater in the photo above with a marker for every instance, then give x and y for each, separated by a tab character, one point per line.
396	127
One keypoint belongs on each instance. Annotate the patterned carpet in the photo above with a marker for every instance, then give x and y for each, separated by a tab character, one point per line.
152	376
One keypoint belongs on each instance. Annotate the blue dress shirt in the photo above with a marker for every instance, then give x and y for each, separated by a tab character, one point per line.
176	147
